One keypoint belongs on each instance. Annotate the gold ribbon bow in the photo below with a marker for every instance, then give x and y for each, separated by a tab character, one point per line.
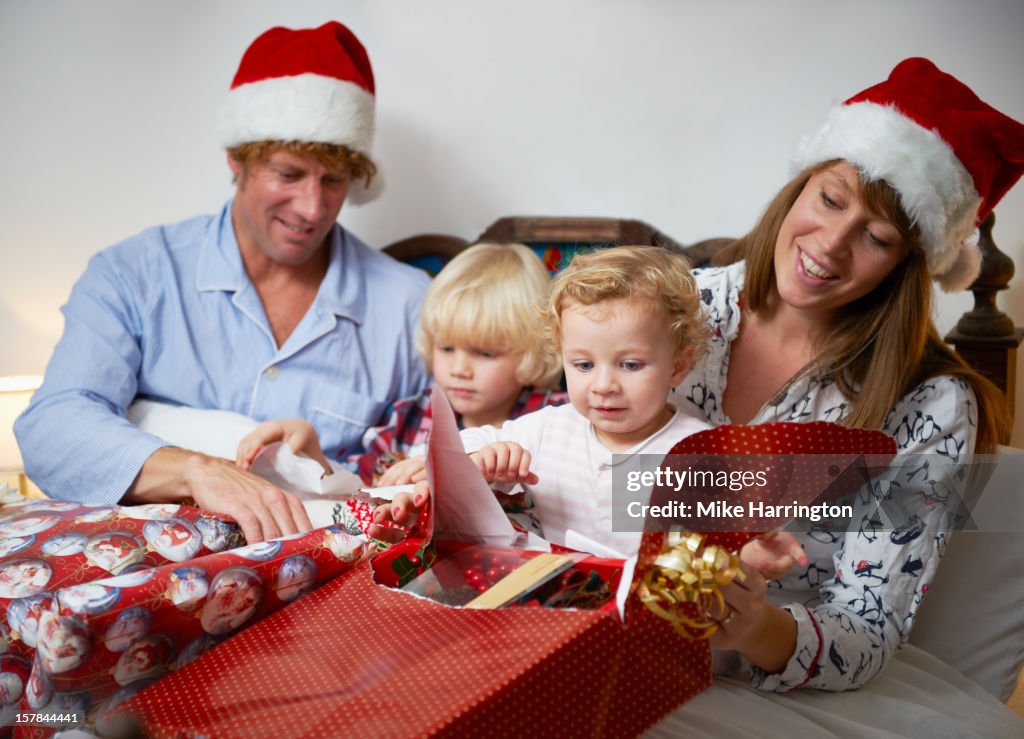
683	585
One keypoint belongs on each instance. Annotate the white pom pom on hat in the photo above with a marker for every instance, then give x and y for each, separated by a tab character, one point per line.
948	154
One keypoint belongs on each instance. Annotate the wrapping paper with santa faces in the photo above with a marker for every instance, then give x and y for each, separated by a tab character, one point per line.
98	601
46	545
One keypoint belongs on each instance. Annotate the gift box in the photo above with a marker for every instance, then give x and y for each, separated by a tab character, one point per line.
367	660
101	601
47	545
363	658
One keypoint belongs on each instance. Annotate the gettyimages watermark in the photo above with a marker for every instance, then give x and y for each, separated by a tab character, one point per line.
866	493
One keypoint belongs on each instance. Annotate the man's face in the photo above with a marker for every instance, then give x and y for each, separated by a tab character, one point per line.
285	206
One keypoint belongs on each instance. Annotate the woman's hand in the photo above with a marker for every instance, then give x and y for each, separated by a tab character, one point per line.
404	472
505	461
299	435
774	554
404	510
763	633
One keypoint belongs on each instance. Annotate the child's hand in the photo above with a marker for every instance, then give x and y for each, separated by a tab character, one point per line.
412	469
774	554
404	510
505	461
296	433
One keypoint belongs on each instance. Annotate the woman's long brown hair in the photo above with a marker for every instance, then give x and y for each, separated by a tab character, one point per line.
885	341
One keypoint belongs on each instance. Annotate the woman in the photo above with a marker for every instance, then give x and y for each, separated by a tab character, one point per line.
827	316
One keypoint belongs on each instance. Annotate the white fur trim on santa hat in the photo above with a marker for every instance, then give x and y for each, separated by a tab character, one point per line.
935	189
306	107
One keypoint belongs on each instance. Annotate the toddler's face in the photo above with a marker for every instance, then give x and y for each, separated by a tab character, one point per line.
620	364
480	382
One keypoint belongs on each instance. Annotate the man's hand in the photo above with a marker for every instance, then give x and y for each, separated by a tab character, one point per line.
262	510
217	485
505	461
296	433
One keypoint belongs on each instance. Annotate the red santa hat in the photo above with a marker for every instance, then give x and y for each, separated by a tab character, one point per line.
310	84
948	154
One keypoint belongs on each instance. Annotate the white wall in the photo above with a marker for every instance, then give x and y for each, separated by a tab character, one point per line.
681	114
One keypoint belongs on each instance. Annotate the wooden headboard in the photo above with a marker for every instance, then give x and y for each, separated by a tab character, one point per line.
985	336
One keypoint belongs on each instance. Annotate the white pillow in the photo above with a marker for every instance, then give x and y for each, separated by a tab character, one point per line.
212	432
972	616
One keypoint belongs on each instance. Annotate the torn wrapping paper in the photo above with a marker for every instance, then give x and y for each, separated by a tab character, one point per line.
467	510
325	498
279	465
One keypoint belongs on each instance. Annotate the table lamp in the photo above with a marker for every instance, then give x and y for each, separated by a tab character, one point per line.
15	393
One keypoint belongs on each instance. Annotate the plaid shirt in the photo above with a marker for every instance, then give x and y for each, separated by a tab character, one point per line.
408	426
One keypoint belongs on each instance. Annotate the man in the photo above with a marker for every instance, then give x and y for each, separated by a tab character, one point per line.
269	309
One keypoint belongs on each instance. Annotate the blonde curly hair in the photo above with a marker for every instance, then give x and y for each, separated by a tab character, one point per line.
333	156
634	273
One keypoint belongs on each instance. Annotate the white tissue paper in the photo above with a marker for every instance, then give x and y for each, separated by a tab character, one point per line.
321	496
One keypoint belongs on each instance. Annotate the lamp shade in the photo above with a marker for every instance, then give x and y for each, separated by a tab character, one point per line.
15	393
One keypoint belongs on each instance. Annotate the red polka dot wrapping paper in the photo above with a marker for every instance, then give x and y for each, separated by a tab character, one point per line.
818	462
774	465
359	659
796	462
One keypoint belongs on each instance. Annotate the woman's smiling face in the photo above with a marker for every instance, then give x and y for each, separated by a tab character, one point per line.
831	249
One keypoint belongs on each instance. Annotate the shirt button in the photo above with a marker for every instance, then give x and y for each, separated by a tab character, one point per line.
272	373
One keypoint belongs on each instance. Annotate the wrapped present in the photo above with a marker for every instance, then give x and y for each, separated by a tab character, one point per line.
100	601
47	545
363	658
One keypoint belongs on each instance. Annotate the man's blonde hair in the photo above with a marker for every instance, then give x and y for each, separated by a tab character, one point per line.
333	156
489	296
634	273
